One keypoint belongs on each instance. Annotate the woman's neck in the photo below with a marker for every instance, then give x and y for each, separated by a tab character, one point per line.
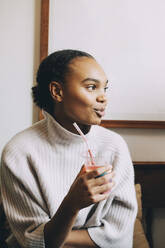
68	124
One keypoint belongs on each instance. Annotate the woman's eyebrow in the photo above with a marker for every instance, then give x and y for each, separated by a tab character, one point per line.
93	79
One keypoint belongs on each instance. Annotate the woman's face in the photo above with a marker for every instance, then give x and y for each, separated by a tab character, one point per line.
84	94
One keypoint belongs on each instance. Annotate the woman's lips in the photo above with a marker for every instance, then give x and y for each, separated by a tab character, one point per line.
100	112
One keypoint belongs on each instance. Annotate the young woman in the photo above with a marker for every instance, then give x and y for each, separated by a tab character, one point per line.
49	198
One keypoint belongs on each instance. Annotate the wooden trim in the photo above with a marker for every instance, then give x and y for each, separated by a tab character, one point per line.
132	124
44	33
149	165
155	163
44	29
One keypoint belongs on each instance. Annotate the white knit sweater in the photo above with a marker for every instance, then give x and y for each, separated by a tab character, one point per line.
38	168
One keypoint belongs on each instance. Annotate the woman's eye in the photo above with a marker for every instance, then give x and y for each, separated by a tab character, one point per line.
106	88
91	87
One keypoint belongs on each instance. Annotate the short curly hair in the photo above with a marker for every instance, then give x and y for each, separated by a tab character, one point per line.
53	68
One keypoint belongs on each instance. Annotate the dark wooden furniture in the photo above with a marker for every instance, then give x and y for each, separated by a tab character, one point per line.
151	176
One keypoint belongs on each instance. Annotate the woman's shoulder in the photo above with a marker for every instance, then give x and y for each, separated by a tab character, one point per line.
25	138
109	139
107	134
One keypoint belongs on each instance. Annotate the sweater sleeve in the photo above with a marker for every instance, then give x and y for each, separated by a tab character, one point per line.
115	224
22	199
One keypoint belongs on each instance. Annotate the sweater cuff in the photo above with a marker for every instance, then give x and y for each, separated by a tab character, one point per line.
97	234
35	238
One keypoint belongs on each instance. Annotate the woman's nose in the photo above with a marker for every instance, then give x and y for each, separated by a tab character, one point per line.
102	98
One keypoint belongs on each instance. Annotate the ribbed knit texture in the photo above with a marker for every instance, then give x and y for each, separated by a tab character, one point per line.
37	170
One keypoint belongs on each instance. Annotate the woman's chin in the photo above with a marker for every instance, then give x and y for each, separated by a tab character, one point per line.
90	121
96	122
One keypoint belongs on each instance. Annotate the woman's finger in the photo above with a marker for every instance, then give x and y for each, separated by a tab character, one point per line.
104	179
100	197
105	188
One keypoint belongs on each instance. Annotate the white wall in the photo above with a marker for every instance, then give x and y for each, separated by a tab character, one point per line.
19	57
145	144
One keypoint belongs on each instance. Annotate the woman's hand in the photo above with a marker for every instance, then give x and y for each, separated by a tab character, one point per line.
86	189
89	187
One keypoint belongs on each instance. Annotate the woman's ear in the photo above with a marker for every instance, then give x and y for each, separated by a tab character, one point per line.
56	91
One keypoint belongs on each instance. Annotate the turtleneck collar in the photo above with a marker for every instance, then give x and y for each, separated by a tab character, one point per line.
58	134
